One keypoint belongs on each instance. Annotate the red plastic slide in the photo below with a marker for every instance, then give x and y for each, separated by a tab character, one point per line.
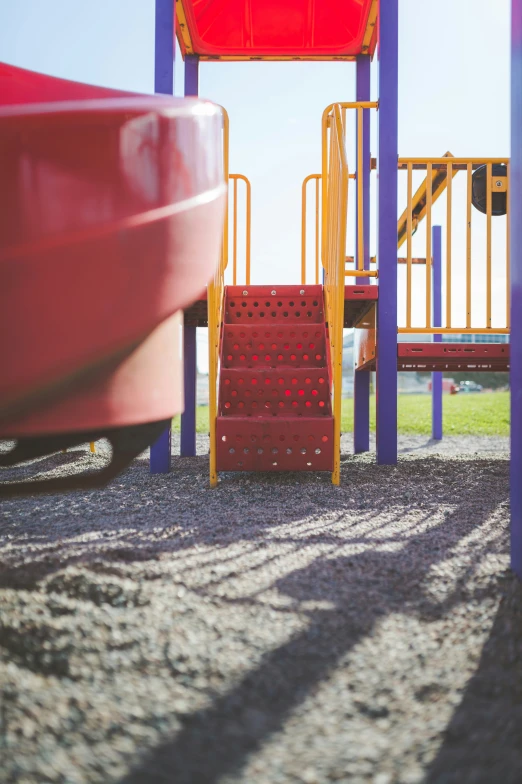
111	210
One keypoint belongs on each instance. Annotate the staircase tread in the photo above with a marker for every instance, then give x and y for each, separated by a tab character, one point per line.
261	419
279	324
301	370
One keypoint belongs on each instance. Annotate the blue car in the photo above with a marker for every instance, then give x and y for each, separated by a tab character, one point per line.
469	386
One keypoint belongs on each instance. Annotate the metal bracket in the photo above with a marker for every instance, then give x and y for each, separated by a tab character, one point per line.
499	184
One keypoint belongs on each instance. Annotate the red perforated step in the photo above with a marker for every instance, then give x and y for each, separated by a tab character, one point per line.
281	304
274	394
274	345
247	444
284	392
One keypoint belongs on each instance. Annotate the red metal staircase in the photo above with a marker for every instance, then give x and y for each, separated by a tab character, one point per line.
274	410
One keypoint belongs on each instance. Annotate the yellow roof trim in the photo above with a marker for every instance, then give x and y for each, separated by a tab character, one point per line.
283	58
370	26
182	30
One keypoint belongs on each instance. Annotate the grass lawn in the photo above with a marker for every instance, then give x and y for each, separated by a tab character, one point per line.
482	414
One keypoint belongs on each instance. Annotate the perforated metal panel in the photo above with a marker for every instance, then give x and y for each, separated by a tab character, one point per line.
274	345
284	392
259	304
274	396
248	444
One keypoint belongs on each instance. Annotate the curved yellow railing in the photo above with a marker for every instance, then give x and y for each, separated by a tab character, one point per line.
317	178
215	289
248	224
335	208
326	124
215	305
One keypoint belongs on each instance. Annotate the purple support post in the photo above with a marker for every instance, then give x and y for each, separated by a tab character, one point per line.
164	48
160	451
188	417
387	234
436	377
515	242
361	380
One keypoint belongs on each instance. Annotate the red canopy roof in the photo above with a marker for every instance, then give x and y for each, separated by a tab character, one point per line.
277	29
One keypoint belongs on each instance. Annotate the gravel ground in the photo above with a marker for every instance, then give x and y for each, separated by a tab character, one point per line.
276	629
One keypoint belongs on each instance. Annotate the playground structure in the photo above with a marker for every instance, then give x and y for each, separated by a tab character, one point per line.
292	421
265	398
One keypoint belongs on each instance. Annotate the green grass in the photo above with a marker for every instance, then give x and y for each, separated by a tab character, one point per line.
201	420
484	414
481	414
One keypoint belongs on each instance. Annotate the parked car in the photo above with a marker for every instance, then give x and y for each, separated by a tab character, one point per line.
448	385
470	386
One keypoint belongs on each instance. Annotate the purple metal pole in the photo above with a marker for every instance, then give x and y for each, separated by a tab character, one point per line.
436	377
164	47
387	234
188	417
362	93
515	200
160	451
361	380
191	74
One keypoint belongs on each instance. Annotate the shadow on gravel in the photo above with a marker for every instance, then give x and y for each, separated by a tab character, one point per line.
482	743
409	449
359	590
362	590
37	466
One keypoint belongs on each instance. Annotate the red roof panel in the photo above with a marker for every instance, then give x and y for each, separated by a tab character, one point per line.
276	29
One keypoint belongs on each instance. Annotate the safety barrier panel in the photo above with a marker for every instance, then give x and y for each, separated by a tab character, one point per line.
486	189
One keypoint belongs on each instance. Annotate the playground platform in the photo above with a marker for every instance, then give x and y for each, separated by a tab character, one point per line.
411	356
357	302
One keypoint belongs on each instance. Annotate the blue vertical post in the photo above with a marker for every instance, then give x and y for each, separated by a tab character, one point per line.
361	381
160	451
515	242
188	418
387	234
436	377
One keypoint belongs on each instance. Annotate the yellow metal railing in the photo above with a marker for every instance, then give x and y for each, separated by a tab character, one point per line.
320	196
216	287
358	107
335	207
317	178
440	173
248	224
215	291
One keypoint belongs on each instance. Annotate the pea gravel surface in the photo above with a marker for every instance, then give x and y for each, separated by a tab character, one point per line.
274	630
